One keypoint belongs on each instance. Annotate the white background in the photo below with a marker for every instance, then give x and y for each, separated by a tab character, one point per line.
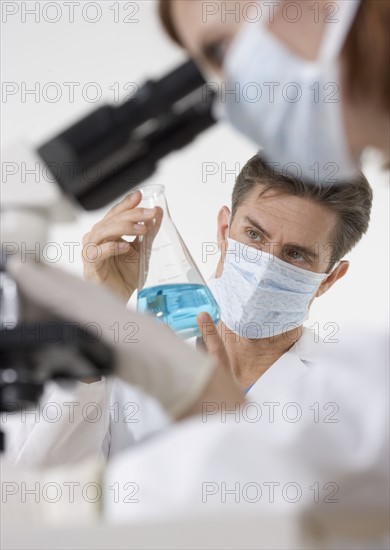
108	52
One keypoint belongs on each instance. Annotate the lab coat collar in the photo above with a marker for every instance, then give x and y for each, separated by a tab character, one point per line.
288	370
309	346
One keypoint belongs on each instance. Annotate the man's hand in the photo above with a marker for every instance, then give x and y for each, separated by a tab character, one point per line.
212	341
110	260
223	389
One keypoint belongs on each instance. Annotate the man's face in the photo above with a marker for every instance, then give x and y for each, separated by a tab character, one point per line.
297	230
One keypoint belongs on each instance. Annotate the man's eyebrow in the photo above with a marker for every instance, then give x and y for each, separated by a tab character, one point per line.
255	224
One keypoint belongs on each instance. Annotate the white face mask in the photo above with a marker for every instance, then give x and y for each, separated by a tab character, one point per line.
289	106
261	296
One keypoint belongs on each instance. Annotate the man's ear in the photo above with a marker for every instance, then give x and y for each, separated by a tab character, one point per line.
339	271
223	220
222	235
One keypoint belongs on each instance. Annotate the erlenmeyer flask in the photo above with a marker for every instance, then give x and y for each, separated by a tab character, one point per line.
170	286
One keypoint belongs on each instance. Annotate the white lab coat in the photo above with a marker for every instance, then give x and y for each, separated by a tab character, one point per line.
328	468
84	421
104	418
289	369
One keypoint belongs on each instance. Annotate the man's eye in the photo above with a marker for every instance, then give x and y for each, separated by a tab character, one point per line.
296	256
253	235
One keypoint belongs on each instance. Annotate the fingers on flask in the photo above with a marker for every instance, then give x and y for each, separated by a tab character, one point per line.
170	286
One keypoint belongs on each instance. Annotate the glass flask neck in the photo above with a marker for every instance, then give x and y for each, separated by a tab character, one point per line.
154	195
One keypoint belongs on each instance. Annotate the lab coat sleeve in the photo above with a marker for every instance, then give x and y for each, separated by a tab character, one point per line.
93	421
66	426
134	416
153	358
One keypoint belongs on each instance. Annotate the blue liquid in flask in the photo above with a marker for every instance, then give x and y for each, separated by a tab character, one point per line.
178	306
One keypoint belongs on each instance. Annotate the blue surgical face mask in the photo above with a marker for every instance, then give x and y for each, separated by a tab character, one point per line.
289	106
261	296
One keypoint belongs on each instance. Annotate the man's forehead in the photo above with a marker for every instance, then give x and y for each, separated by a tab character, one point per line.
276	211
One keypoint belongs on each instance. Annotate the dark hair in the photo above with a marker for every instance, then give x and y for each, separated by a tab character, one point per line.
366	54
164	11
351	201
